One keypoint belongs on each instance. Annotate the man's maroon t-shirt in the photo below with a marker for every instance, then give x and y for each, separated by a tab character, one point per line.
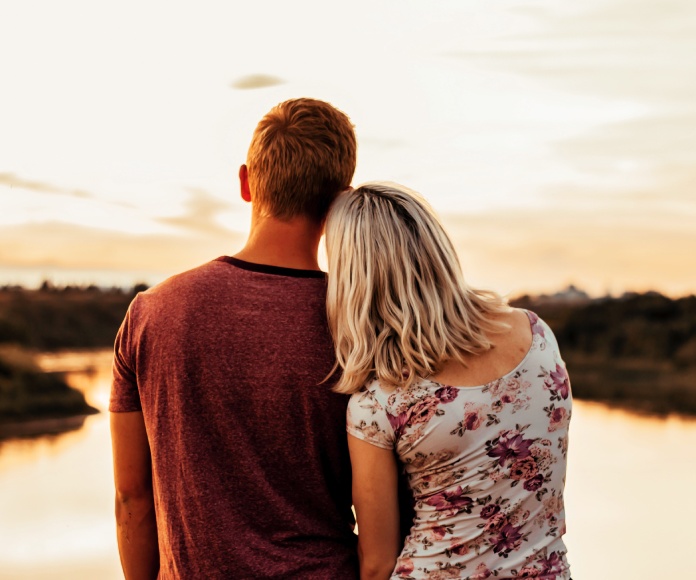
251	473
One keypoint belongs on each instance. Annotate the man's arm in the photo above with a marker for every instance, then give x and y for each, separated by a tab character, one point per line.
377	508
135	508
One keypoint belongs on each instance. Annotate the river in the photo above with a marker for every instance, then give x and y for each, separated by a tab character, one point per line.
630	493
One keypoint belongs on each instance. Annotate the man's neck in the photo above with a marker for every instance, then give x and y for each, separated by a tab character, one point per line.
288	244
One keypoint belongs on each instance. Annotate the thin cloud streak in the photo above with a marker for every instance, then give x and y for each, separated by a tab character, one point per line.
202	211
257	81
11	180
56	244
512	252
543	250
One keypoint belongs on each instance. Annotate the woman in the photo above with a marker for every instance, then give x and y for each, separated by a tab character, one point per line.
465	394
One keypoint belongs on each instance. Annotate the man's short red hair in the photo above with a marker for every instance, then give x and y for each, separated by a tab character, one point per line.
302	154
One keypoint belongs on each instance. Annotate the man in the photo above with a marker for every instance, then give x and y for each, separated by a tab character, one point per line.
230	454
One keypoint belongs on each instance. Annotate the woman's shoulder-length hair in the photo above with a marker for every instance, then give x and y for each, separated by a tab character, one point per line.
397	303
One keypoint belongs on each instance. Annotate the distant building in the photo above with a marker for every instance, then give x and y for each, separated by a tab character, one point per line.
571	295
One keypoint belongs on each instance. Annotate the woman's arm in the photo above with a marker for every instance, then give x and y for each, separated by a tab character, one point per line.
376	504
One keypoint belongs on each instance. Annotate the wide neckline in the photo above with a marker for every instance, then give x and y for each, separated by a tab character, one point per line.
501	377
273	270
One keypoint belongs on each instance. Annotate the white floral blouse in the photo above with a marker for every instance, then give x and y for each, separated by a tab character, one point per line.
486	466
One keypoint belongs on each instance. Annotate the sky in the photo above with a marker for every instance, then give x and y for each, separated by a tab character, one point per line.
556	140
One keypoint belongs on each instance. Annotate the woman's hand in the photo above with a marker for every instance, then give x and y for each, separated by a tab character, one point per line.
375	498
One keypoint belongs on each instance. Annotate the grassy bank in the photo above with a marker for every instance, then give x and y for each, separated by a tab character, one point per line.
62	318
28	394
637	352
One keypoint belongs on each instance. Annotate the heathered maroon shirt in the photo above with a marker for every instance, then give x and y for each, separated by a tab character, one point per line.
251	473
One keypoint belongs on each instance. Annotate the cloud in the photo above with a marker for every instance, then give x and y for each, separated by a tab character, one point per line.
545	249
11	180
257	81
510	251
62	245
202	209
606	50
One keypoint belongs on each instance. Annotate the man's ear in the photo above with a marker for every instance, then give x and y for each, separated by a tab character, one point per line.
244	183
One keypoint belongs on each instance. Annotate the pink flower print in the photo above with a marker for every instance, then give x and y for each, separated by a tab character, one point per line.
489	511
534	483
558	418
563	445
424	410
398	422
496	522
542	456
514	386
495	475
472	419
444	455
438	532
537	327
553	506
496	388
474	416
511	446
508	539
552	565
458	547
559	382
481	573
371	431
529	572
452	501
445	573
446	394
404	567
518	517
523	469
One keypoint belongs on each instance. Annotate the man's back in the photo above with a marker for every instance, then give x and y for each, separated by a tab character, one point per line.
250	466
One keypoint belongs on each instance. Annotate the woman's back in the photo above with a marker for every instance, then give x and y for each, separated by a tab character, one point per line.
486	463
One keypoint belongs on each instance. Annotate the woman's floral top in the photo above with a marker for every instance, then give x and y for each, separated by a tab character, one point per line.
486	466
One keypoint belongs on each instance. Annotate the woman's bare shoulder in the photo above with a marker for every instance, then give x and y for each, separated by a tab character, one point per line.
516	321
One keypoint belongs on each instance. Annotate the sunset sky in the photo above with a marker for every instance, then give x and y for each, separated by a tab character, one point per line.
557	140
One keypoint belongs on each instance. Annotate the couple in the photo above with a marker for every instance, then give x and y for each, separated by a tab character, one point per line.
230	451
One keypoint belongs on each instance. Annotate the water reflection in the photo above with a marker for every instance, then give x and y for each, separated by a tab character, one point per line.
629	493
56	492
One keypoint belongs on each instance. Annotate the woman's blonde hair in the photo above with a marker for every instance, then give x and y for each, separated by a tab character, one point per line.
397	303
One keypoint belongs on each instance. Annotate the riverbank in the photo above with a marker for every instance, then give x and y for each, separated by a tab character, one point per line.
639	385
34	402
637	352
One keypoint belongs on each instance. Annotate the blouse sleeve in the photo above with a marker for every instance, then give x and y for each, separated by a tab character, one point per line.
368	420
551	341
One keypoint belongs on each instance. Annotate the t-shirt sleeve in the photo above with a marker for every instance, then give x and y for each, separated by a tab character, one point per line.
367	419
124	386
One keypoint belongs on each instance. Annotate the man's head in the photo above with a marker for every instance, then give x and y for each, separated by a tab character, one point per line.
301	156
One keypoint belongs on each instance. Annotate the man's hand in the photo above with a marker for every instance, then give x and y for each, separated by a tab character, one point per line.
135	508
